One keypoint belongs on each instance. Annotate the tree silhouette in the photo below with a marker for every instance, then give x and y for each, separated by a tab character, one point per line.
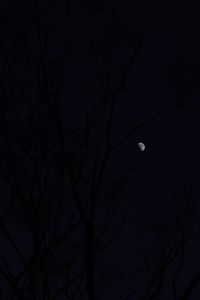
65	201
164	260
57	190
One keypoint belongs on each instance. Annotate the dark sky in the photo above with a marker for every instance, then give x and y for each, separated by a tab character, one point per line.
166	72
171	158
170	38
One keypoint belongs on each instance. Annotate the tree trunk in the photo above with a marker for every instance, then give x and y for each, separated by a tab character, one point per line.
90	281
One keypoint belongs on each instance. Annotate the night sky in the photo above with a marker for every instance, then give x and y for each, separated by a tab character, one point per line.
171	159
59	80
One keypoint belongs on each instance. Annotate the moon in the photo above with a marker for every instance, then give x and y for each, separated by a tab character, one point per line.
141	146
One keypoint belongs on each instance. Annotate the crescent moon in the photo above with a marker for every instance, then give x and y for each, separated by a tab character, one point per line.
141	146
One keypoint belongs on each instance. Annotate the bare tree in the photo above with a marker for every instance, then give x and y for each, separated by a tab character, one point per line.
61	192
57	186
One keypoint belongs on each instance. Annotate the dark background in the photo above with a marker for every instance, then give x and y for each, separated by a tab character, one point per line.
155	254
